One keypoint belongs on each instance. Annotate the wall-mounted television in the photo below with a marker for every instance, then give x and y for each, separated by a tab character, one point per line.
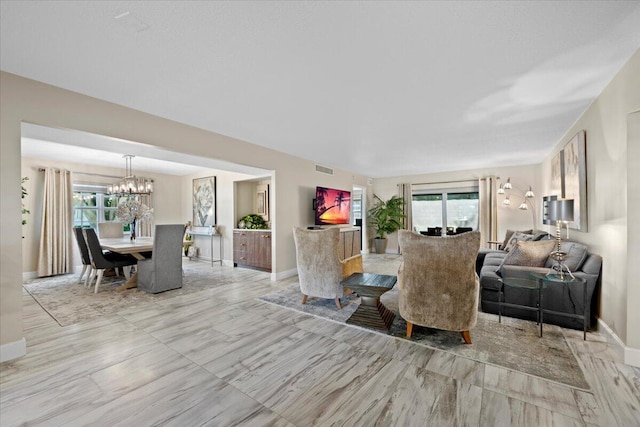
332	206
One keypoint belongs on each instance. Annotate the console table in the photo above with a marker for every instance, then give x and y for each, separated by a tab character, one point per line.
212	237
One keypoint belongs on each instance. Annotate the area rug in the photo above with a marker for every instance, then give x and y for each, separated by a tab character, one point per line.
69	302
513	344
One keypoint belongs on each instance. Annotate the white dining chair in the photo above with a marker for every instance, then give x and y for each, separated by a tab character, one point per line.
109	230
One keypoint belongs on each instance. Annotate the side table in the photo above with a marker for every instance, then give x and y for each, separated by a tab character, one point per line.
369	287
537	282
522	283
553	279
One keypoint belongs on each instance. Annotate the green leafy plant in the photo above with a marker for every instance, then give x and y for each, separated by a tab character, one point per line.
253	221
24	194
386	216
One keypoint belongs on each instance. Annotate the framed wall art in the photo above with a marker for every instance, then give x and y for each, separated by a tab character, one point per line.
262	201
204	201
574	155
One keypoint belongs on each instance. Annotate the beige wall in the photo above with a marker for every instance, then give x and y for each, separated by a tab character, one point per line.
30	101
610	169
508	217
168	188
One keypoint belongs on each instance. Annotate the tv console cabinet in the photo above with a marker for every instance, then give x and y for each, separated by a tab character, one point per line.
350	242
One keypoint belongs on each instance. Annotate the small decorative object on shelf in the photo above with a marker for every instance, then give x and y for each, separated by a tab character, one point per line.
253	222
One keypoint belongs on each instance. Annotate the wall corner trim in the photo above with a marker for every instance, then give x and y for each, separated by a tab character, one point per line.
630	355
13	350
284	274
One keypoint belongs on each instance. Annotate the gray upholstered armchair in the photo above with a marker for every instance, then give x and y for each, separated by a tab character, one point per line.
437	282
320	269
163	271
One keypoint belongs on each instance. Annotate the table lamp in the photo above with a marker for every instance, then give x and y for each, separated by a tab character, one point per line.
560	211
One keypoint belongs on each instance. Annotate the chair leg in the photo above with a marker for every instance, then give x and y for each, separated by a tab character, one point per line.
466	336
84	269
98	280
126	270
338	303
90	276
409	329
304	299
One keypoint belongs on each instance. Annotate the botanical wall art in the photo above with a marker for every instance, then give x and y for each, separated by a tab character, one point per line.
571	165
262	201
204	201
575	178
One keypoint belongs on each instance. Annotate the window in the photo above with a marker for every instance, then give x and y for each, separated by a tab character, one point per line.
445	210
92	205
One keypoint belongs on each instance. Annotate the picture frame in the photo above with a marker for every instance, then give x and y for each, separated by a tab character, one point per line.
574	173
204	201
262	201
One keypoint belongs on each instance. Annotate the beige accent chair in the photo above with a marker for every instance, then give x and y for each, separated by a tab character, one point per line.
109	230
437	282
320	269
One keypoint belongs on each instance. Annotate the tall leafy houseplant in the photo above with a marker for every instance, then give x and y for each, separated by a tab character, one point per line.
386	217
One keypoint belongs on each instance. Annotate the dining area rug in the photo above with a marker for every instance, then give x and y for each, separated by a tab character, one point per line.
513	344
69	302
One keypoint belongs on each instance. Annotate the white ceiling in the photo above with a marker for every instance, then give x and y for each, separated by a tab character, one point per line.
379	88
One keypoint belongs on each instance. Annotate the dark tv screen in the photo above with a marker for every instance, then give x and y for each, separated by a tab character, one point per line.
332	206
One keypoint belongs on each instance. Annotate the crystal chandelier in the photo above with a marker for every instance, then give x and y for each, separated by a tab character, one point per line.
130	184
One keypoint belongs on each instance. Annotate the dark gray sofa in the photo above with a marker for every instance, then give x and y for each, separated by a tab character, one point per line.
562	298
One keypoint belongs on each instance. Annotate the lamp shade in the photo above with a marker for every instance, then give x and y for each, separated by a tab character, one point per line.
561	210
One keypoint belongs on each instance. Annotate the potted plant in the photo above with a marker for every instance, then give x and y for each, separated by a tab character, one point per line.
386	217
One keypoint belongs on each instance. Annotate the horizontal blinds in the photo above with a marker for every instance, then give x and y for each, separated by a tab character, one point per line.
445	187
90	188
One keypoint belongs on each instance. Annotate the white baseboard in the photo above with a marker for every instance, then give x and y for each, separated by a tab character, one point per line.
28	275
284	274
630	355
13	350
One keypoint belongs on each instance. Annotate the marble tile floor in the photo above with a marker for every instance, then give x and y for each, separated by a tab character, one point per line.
219	357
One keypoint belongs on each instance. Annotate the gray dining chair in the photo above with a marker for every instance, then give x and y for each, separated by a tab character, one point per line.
100	261
163	271
84	253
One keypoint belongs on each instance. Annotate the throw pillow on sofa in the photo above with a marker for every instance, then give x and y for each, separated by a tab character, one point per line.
517	237
528	254
576	254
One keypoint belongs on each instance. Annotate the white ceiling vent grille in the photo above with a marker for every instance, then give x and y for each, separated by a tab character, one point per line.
323	169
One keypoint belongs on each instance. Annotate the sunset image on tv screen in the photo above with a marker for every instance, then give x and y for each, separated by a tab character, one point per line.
333	206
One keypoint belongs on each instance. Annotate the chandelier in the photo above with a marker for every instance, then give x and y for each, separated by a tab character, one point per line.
130	184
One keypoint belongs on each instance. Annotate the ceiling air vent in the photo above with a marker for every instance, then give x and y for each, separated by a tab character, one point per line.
323	169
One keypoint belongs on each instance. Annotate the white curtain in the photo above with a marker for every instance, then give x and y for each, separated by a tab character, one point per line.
146	227
488	210
56	242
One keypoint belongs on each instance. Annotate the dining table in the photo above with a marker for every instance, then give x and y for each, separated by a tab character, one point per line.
124	245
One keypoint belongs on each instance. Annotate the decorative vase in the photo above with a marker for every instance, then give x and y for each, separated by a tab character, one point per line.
133	231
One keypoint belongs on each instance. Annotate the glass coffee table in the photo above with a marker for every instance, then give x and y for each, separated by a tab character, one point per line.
537	282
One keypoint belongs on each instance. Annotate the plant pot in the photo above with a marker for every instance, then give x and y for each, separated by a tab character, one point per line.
380	245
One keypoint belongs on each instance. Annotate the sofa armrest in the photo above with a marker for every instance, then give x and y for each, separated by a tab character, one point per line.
352	265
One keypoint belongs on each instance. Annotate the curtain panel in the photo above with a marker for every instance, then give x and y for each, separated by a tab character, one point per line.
146	227
55	255
488	210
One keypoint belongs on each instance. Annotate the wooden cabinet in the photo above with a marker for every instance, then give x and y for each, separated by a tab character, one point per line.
350	243
252	248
